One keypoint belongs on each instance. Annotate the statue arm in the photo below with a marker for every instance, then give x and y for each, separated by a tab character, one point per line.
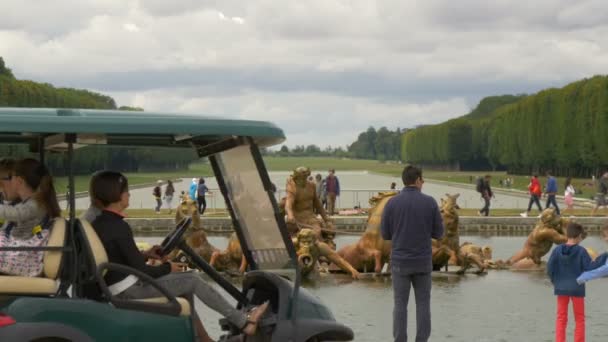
289	202
334	257
556	237
243	264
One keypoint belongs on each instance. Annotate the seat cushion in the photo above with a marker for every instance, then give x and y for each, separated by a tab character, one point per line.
27	285
52	259
183	302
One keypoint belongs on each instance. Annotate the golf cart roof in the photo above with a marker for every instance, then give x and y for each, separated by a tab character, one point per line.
129	128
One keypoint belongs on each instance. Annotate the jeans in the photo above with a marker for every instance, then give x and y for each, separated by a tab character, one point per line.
551	201
534	199
187	284
403	280
485	211
331	203
561	322
159	204
202	203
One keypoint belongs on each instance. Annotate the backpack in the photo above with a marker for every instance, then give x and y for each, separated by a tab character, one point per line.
479	186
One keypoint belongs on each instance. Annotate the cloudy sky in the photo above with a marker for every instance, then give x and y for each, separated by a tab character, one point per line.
323	70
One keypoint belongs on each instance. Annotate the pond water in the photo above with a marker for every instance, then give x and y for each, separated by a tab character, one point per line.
500	306
357	187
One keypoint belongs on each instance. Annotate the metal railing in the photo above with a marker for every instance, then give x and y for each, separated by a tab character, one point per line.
349	198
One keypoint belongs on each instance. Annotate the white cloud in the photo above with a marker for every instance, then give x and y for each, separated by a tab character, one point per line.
339	65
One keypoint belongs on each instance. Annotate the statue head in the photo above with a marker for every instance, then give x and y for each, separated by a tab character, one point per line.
300	175
550	219
188	208
486	252
306	239
449	203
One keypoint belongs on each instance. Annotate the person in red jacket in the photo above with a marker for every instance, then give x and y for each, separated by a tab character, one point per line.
535	193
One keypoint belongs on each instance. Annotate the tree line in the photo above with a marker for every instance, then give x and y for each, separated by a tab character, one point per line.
564	130
382	144
25	93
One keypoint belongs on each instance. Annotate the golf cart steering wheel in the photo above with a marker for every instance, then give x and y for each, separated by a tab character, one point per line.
175	237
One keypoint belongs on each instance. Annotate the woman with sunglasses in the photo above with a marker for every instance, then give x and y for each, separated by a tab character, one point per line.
29	208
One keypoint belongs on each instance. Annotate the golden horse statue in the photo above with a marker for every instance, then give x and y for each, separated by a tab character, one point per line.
371	252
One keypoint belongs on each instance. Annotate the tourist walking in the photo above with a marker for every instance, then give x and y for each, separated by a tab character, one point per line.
332	184
602	191
169	191
567	262
410	219
486	194
535	193
156	192
551	191
569	194
201	191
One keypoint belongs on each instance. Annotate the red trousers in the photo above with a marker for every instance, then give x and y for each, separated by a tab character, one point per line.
561	322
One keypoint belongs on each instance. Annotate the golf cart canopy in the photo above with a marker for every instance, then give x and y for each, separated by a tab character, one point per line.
231	145
127	128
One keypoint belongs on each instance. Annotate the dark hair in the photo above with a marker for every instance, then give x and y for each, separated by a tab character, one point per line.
487	176
107	187
548	172
574	230
201	181
535	175
568	182
7	165
38	178
410	175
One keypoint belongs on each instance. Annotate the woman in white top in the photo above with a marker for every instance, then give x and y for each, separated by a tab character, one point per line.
29	186
569	194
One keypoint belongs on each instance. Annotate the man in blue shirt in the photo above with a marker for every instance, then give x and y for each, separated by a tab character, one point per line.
410	220
551	191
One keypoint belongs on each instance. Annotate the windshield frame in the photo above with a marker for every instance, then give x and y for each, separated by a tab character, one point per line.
267	185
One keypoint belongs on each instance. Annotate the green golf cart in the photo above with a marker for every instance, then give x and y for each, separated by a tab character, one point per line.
55	306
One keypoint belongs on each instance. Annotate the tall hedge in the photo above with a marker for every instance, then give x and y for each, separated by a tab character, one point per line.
565	130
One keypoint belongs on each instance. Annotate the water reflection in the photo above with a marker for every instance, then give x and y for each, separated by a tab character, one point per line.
499	306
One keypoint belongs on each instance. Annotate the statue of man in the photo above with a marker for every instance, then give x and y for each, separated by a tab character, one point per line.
310	250
301	203
548	231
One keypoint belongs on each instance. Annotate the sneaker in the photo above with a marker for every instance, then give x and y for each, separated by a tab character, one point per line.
523	214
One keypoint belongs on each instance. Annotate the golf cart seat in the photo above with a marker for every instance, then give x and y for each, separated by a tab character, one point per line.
100	257
46	284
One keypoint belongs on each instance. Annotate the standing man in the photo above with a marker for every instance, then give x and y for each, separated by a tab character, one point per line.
551	191
410	220
201	191
486	194
602	191
332	185
157	193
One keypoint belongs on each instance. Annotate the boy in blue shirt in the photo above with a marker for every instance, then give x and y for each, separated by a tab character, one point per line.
566	263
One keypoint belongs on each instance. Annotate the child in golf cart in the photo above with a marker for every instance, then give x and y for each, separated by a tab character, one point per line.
110	190
28	210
